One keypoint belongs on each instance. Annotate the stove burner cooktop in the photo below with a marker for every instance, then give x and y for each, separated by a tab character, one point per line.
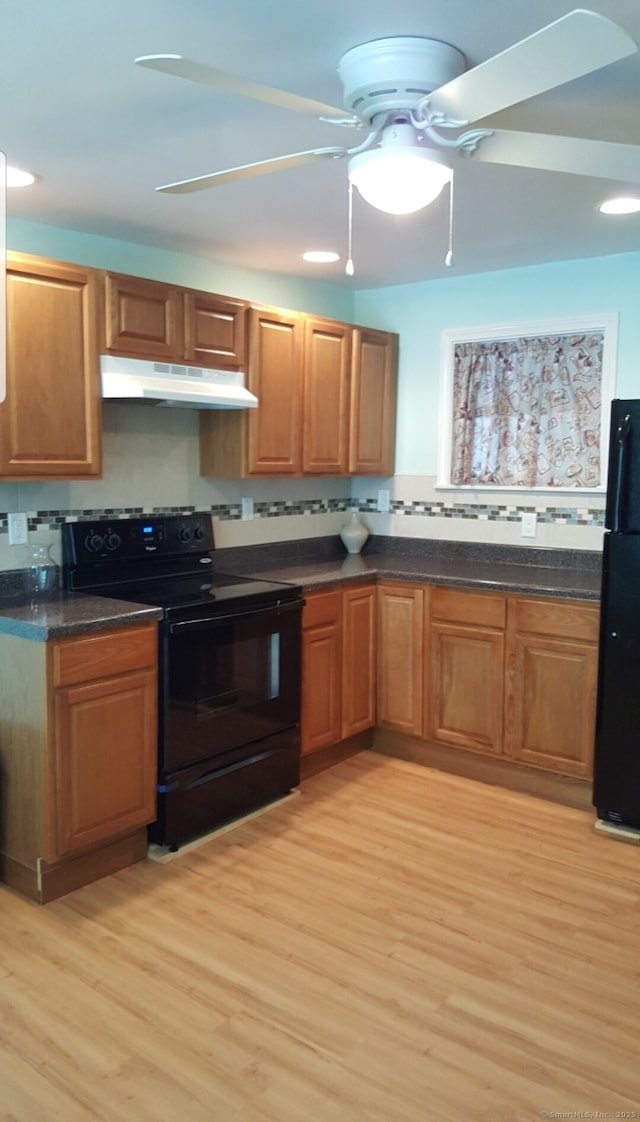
203	591
165	561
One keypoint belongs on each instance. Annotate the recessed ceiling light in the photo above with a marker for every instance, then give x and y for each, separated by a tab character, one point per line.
622	205
320	256
18	178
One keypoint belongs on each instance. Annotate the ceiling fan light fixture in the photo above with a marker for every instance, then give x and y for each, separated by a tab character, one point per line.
401	176
621	205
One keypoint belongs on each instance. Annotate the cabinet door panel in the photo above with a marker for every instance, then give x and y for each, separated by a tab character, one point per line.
106	752
325	398
550	703
143	318
466	687
400	657
373	403
358	660
50	420
274	377
550	692
321	686
215	331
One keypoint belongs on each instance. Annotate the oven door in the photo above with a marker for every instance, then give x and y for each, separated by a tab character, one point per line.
228	681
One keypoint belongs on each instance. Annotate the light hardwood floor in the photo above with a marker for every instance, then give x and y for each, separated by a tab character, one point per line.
394	945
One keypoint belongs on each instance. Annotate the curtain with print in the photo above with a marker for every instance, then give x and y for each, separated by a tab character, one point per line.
527	412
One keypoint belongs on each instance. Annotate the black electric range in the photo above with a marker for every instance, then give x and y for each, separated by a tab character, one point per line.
229	665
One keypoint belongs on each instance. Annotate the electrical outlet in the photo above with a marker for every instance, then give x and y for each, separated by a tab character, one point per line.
528	527
247	509
383	501
18	529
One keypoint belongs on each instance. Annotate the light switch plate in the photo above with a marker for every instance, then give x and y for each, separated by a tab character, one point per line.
383	501
247	509
18	529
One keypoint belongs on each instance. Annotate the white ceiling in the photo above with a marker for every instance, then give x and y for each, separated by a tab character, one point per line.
102	133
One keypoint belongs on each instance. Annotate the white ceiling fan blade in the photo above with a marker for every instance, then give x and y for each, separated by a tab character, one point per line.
599	158
181	67
576	44
262	167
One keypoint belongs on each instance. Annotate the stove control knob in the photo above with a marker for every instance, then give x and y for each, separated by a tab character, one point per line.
93	543
112	540
185	534
199	533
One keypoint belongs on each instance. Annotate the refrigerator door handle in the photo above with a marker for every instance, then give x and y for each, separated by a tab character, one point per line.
622	433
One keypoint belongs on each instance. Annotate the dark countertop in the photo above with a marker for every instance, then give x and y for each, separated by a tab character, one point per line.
494	576
321	563
69	614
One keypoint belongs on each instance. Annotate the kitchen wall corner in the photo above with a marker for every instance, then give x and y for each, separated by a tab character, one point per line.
567	520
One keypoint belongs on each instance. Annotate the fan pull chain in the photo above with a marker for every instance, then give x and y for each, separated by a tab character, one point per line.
349	269
449	258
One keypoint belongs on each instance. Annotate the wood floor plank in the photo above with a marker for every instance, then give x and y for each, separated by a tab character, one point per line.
394	945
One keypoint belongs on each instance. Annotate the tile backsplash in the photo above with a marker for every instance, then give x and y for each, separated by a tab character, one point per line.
299	517
151	466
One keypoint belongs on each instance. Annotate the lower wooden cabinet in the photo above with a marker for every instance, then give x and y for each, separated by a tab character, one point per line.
105	702
358	659
78	748
321	718
465	675
338	665
512	677
551	682
401	643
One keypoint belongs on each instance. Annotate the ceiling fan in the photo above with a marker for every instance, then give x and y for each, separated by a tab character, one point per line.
415	100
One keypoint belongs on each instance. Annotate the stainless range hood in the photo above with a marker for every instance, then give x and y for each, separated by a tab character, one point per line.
162	383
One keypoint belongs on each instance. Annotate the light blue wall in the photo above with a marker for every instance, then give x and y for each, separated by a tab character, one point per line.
419	312
177	268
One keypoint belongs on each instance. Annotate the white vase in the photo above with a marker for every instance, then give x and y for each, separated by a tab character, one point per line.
353	534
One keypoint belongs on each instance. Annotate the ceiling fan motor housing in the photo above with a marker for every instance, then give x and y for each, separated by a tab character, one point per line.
395	74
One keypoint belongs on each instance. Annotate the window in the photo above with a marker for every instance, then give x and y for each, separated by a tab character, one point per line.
527	405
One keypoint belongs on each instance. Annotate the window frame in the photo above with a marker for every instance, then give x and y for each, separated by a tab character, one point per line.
606	322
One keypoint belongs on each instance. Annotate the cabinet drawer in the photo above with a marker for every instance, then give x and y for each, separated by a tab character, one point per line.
481	608
568	619
321	607
104	654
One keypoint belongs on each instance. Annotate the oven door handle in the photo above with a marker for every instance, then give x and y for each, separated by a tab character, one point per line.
233	617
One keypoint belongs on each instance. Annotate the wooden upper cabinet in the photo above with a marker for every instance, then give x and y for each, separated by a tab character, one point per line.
326	402
50	420
237	443
275	360
143	318
152	320
327	365
215	331
374	374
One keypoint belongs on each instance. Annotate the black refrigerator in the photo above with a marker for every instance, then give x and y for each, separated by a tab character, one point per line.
616	785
